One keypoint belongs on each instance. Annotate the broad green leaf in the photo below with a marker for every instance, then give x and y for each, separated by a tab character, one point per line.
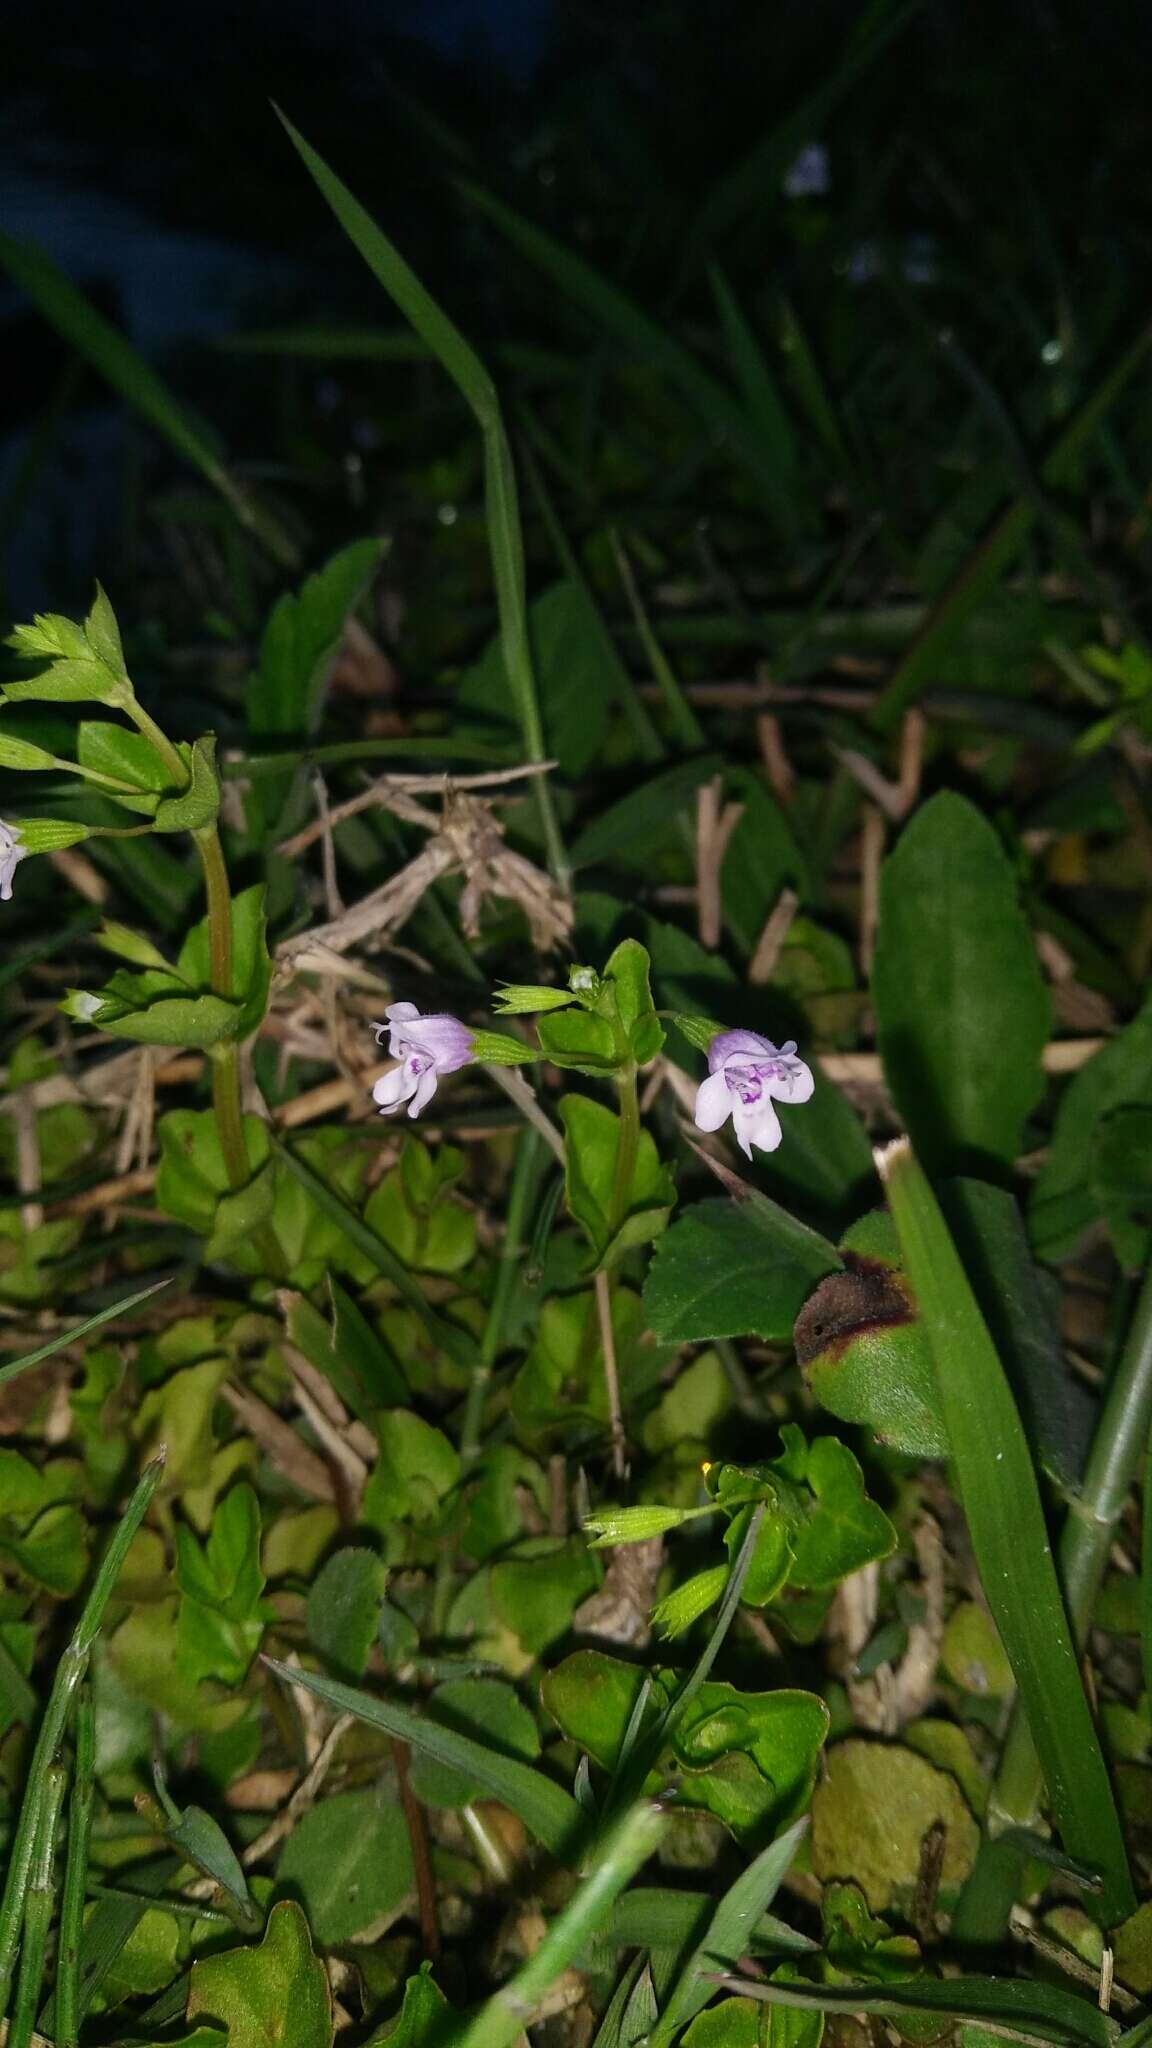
302	638
548	1811
1118	1078
870	1813
1009	1536
416	1470
343	1609
251	963
962	1010
197	805
576	687
721	1272
350	1861
593	1139
274	1995
1122	1182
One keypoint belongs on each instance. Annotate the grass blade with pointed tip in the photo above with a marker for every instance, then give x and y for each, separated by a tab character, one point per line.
1005	1516
468	373
63	1337
543	1806
728	1933
125	369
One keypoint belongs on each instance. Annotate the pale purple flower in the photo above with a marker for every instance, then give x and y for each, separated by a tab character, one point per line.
745	1073
426	1047
11	851
808	175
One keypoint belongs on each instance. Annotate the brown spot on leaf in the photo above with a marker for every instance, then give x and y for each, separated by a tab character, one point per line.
867	1295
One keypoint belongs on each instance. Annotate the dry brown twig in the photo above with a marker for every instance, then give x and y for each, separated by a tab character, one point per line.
466	839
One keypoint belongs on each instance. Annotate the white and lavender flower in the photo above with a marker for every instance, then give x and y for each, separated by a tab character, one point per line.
426	1047
12	850
746	1073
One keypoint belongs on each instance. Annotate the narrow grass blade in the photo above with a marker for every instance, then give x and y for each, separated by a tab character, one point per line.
682	718
649	745
75	1877
468	373
38	1907
728	1933
543	1806
69	1336
997	1485
502	2020
70	1673
642	336
762	398
125	369
987	563
1035	2015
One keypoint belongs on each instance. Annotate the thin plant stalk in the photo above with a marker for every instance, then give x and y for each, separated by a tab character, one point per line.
76	1875
70	1673
502	2021
623	1176
38	1908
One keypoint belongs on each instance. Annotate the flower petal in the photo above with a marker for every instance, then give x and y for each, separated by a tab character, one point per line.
447	1042
714	1100
394	1088
400	1013
756	1124
425	1090
746	1045
795	1085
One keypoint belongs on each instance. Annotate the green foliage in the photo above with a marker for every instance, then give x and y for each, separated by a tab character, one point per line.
961	1006
464	1422
746	1757
276	1992
734	1269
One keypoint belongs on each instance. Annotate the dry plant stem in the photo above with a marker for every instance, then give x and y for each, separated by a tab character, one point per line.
421	1852
871	853
623	1177
776	928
